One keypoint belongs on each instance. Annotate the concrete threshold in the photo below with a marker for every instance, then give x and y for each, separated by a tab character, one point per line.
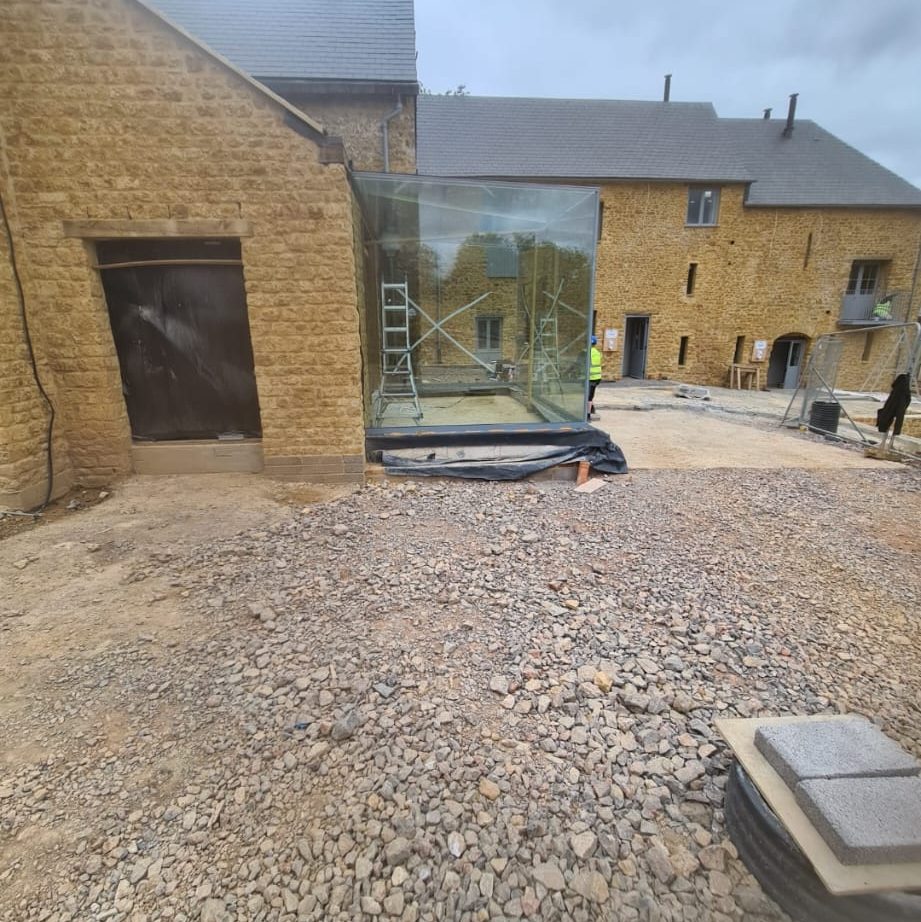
198	456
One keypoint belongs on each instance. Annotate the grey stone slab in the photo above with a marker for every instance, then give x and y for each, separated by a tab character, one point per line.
866	820
852	748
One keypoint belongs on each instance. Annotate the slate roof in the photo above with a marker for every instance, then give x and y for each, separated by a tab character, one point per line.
524	138
371	41
514	137
812	167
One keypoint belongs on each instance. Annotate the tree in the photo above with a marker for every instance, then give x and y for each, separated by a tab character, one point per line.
459	90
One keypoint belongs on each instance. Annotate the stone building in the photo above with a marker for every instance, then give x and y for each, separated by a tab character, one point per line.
350	65
138	169
191	277
716	235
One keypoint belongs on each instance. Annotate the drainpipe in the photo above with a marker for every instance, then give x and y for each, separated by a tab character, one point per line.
385	131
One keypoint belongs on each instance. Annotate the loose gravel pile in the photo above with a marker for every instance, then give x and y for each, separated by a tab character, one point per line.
465	702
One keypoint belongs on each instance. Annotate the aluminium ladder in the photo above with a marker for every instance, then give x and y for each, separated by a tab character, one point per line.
548	350
398	383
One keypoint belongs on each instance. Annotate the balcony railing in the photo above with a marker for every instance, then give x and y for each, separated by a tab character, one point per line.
867	310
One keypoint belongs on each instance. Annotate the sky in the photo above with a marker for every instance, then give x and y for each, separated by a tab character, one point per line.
856	64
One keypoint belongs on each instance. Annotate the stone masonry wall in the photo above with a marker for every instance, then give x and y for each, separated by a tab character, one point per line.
466	282
357	120
753	275
23	415
106	114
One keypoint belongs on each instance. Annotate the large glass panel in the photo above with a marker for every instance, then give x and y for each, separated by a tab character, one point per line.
477	301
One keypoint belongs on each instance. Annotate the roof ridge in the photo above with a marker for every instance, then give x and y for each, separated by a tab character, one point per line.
600	99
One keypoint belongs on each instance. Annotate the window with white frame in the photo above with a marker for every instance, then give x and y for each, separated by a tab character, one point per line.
703	205
489	337
864	278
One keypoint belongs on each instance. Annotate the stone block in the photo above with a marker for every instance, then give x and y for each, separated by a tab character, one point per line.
866	820
849	748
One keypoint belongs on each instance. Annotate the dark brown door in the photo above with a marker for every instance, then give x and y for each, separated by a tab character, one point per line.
182	335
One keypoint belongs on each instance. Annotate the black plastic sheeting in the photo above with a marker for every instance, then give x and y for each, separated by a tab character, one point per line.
486	454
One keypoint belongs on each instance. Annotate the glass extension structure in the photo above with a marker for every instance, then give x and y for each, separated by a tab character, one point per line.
477	301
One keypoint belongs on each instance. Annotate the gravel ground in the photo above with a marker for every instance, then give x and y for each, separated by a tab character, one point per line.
453	701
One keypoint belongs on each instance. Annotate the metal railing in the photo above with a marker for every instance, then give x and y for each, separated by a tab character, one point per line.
891	307
898	352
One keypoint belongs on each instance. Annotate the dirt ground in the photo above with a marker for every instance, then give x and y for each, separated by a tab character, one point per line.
695	439
734	429
76	585
109	650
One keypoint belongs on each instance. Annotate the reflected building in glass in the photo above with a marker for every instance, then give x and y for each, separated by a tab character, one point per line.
477	301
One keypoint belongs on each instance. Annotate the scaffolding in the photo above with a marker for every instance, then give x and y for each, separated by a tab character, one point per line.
900	354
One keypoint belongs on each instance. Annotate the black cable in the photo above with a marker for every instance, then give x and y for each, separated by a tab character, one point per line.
49	462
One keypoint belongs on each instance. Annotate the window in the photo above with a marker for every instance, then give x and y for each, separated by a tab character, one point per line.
864	278
683	350
489	336
867	347
703	205
501	261
692	278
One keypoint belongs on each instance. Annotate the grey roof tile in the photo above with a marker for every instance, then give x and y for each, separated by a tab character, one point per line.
366	40
812	167
623	139
571	138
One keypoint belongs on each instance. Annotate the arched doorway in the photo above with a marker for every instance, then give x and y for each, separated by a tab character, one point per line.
787	358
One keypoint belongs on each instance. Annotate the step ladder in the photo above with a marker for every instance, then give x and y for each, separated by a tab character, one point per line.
548	350
397	395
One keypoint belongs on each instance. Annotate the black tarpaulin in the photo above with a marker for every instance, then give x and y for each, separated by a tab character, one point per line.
489	455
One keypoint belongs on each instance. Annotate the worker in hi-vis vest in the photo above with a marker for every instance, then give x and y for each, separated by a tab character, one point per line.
594	376
882	310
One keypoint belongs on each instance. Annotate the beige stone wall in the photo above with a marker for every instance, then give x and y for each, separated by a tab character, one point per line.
107	114
357	120
23	414
869	361
753	277
466	282
509	299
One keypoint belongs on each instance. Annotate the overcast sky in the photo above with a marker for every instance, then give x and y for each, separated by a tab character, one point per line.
855	63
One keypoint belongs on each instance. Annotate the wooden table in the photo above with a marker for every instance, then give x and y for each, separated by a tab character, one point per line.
752	374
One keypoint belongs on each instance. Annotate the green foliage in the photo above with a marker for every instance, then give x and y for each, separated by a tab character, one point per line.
459	90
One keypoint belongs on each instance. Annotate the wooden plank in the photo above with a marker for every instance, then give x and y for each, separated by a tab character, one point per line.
840	879
144	263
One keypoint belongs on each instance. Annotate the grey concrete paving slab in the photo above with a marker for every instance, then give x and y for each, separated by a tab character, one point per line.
832	749
866	820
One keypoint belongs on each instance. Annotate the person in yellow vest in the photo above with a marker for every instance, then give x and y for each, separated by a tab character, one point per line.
594	376
882	310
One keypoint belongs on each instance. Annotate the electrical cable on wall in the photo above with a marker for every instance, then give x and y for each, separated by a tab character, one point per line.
49	463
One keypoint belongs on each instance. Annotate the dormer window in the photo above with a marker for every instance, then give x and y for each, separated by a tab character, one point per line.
703	205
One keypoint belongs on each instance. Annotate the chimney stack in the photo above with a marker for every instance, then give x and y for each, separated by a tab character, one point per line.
788	128
767	114
668	88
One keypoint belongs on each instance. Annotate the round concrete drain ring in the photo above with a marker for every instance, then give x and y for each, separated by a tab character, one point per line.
787	876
